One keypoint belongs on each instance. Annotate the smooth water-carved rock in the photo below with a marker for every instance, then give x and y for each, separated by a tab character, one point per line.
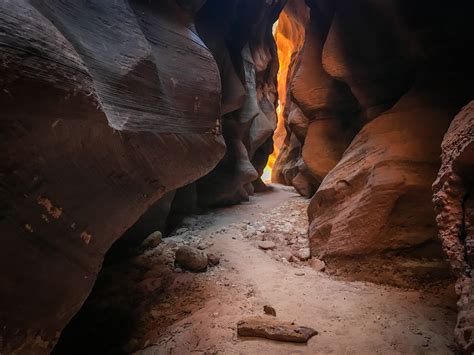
372	91
378	196
238	32
108	111
98	122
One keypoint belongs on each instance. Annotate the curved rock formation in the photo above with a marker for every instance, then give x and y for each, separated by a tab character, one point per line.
454	204
99	122
242	42
372	92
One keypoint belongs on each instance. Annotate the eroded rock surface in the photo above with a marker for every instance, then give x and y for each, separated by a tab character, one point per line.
454	204
107	110
371	89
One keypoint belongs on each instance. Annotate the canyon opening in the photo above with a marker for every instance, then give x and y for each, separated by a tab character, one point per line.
236	177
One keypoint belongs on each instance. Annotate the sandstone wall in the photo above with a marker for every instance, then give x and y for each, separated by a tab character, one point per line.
454	204
376	84
107	109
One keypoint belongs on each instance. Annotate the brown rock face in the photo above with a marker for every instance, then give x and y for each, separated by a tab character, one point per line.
107	109
378	196
454	205
372	88
238	33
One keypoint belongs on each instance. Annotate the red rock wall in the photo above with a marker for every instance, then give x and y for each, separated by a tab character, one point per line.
376	84
107	108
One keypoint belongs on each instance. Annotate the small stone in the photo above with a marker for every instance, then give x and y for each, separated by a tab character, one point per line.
213	259
299	273
153	240
266	245
178	270
304	254
318	264
191	258
269	310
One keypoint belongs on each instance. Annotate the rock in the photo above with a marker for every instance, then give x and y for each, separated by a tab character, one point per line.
213	259
271	328
318	264
304	254
191	259
153	240
269	310
266	245
118	146
299	273
378	197
454	206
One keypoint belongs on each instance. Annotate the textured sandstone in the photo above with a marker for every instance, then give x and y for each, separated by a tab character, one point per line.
107	110
454	205
378	196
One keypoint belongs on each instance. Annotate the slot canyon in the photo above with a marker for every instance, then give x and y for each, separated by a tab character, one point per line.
236	177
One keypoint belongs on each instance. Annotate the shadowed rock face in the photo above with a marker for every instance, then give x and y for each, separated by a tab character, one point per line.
454	204
371	92
241	40
107	108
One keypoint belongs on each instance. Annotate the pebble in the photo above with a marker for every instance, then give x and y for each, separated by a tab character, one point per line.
153	240
269	310
318	264
213	259
266	245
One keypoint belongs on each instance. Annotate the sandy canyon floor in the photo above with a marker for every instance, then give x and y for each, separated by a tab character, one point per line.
179	312
350	316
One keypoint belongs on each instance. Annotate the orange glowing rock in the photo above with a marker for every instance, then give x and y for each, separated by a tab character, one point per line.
289	38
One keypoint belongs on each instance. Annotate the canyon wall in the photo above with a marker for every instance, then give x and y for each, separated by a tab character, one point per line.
454	202
370	95
107	110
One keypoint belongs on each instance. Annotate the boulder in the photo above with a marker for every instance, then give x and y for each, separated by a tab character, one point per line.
191	259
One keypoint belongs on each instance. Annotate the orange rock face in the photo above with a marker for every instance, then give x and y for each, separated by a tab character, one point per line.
371	94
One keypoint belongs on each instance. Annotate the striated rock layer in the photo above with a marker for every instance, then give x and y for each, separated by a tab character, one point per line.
107	109
454	205
372	89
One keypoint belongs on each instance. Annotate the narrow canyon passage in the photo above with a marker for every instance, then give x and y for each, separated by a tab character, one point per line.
236	177
179	312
